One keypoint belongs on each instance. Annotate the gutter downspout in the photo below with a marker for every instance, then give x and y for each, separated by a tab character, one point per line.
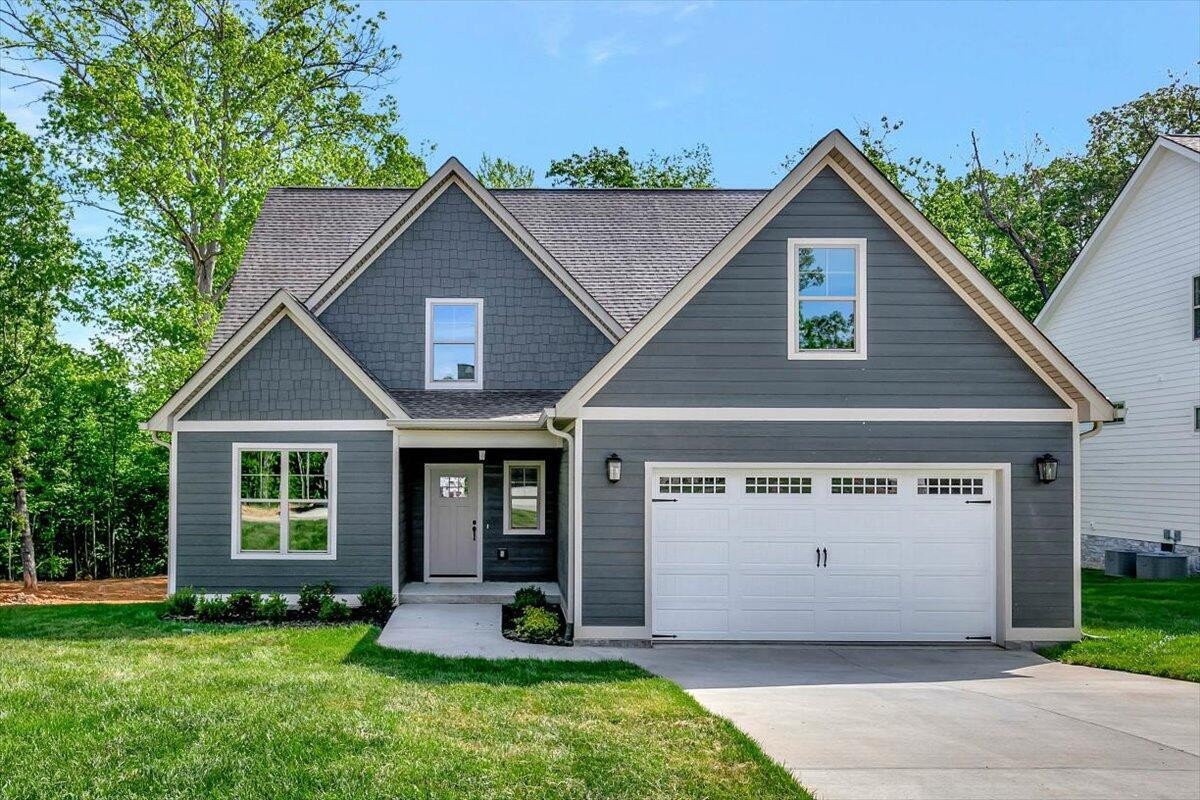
1097	426
571	478
154	438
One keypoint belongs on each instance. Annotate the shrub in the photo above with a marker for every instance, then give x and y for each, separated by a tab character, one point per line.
333	610
182	603
212	609
244	604
377	603
536	625
529	596
311	598
274	609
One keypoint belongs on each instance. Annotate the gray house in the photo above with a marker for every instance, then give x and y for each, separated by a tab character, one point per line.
788	414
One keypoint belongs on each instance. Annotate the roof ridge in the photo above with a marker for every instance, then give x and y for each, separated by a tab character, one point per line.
536	189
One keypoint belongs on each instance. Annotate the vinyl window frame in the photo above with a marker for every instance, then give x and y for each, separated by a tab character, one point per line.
540	530
1196	307
794	351
283	448
430	303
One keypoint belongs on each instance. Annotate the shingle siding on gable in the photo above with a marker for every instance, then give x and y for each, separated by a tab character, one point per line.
925	347
534	336
284	376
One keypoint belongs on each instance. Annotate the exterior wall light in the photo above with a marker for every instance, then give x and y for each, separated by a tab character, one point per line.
1047	468
613	465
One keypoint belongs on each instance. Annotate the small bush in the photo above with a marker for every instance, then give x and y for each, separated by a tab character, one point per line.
311	598
527	597
212	609
182	603
245	605
274	609
377	603
536	625
333	610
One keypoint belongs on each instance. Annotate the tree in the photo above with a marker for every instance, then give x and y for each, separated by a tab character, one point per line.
496	173
605	169
38	266
177	115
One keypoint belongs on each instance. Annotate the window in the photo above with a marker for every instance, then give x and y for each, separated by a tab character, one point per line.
863	485
452	486
1196	307
524	497
454	344
827	298
285	497
772	484
691	485
950	486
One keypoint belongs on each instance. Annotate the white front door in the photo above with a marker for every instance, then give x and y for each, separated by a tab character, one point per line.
453	522
788	553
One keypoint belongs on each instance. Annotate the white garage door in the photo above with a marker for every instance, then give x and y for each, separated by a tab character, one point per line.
823	554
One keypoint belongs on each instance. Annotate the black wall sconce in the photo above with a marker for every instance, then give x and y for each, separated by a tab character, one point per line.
612	465
1047	468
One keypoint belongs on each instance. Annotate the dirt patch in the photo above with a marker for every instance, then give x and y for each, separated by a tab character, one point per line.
111	590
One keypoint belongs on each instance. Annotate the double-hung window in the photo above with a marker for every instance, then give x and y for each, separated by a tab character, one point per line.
284	501
453	343
1196	307
827	298
524	497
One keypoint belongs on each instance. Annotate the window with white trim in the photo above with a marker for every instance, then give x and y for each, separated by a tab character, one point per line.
865	485
524	497
1196	307
827	298
285	498
453	343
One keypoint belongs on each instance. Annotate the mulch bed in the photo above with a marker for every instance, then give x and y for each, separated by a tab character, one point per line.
508	620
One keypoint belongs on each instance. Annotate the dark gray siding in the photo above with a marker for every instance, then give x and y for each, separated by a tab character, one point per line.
613	514
728	346
204	522
285	376
530	558
534	336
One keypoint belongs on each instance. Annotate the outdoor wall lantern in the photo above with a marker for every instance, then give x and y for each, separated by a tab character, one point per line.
1047	468
613	465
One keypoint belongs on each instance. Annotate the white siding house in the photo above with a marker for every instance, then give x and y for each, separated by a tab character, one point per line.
1127	314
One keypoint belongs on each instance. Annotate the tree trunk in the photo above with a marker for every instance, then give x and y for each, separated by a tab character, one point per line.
28	564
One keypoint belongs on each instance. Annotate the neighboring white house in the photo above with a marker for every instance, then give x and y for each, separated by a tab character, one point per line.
1127	313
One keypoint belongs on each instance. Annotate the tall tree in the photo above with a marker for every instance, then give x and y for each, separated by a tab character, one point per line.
601	168
497	173
38	266
176	115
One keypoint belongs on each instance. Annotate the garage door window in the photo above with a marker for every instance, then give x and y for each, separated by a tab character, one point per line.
778	484
865	485
950	486
691	484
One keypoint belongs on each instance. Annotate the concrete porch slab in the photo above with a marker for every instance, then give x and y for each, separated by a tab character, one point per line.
469	630
493	592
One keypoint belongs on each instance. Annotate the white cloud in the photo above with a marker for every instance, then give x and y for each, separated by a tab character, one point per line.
553	30
601	50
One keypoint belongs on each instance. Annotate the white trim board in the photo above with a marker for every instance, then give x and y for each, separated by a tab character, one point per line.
821	156
477	439
172	515
742	414
277	425
281	304
795	352
457	383
454	173
506	499
331	503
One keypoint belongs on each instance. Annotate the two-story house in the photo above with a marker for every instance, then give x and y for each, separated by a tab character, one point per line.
789	414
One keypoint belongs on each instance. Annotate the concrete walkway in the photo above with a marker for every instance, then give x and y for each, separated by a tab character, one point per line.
947	722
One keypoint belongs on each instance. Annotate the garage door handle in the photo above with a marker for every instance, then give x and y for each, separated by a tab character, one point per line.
818	556
978	502
825	550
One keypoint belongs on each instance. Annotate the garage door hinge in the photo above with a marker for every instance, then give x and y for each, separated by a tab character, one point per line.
663	636
664	500
978	502
979	638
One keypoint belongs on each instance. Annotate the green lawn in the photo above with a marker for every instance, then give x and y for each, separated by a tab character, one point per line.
1152	627
109	701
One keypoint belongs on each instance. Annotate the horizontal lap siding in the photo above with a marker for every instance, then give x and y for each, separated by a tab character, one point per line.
614	514
728	345
204	515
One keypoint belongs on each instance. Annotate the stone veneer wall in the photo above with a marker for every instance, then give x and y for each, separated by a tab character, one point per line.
1093	548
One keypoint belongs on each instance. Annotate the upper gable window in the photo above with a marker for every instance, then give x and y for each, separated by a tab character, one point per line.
827	298
453	343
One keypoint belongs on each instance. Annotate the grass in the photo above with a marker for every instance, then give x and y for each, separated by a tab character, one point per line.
106	701
1151	627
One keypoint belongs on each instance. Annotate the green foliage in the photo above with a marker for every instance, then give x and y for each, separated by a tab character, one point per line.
274	609
605	169
377	603
496	173
333	610
244	605
212	609
311	597
536	624
53	567
182	603
528	596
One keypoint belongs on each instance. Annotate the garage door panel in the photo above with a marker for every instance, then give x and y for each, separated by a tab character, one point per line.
694	623
694	586
880	623
777	552
951	623
786	521
692	553
851	585
858	553
785	623
784	586
973	555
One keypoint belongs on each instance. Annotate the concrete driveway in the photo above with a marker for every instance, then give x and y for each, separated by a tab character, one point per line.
947	722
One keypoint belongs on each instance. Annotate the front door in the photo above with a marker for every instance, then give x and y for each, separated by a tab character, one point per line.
453	522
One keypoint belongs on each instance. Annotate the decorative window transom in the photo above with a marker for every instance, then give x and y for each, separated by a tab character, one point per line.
691	484
778	484
864	485
950	486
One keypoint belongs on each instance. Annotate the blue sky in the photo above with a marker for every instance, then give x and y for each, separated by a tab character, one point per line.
757	81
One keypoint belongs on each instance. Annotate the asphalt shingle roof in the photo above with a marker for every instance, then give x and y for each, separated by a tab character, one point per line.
1190	142
487	404
627	248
